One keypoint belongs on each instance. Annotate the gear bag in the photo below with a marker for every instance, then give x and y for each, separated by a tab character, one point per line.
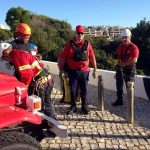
80	53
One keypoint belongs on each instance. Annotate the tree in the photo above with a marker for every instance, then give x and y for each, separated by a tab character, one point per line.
50	35
47	33
15	16
5	34
141	37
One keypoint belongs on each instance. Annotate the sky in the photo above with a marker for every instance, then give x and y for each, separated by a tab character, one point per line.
125	13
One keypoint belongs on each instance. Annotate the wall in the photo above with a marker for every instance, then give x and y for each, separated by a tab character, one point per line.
108	78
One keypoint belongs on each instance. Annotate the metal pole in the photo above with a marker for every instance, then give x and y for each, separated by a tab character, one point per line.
130	102
100	94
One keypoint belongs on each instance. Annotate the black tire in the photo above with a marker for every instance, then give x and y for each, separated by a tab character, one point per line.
18	141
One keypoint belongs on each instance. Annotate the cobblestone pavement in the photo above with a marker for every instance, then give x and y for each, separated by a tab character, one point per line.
101	130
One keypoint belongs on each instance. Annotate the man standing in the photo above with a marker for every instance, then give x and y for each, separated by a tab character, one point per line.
77	55
32	74
127	55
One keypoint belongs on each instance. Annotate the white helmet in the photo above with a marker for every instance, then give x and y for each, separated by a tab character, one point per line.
126	32
4	46
34	49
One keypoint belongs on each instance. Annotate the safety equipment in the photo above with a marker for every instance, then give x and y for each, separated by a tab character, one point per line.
80	53
67	93
33	48
126	32
23	29
80	29
4	46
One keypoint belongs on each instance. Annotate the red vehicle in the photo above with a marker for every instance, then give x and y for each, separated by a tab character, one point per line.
20	117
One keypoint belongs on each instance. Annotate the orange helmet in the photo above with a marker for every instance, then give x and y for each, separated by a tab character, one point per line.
23	29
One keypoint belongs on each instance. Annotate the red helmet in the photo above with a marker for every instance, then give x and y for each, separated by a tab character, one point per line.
80	28
23	29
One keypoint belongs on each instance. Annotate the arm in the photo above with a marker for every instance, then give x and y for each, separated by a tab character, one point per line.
131	62
63	57
22	65
92	60
92	57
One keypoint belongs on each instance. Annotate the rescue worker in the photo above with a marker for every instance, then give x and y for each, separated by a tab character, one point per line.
34	52
127	55
76	55
32	74
23	34
21	42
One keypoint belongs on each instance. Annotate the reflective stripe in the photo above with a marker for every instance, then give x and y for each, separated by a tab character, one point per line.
38	73
44	79
36	64
24	67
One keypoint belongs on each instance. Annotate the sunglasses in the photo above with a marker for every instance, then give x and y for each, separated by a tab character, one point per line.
26	37
80	33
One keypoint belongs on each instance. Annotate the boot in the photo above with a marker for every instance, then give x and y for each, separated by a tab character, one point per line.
117	103
62	100
85	109
72	109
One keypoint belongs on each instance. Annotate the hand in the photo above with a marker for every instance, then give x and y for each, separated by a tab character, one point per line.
8	66
94	74
61	74
38	56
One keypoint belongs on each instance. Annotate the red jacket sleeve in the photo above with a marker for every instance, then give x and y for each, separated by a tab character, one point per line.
21	61
91	52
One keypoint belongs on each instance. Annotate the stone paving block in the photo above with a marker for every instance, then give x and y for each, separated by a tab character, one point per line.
109	146
142	147
147	146
129	144
54	146
101	129
45	145
94	146
101	145
123	146
115	146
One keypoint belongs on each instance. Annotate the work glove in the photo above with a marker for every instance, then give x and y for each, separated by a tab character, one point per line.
94	74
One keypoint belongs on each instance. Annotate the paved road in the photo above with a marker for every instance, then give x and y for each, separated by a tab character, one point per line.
101	130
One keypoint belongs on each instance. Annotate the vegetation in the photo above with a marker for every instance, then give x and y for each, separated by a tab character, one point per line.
51	34
5	34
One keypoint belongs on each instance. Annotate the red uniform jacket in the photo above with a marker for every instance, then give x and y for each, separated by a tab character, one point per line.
68	53
26	65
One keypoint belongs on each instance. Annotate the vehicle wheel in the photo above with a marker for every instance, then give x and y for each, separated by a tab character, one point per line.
18	141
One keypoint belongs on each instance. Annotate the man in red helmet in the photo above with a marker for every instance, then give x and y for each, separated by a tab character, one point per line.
23	33
32	74
77	55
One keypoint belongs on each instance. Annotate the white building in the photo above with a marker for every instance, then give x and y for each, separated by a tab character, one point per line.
4	27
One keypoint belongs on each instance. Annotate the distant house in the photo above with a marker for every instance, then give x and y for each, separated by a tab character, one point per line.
111	32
